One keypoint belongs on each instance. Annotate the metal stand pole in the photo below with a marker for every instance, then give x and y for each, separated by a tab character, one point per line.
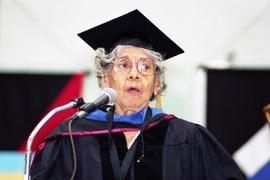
28	152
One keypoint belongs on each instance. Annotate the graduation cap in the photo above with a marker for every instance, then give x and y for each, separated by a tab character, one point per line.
133	29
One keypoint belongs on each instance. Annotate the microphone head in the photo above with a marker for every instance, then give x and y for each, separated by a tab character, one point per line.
111	94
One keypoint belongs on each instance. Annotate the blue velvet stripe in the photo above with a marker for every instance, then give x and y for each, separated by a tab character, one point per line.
263	173
135	118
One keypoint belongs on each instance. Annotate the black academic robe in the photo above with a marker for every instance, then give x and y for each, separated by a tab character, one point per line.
173	149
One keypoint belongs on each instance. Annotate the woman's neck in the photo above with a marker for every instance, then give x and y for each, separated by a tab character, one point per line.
123	110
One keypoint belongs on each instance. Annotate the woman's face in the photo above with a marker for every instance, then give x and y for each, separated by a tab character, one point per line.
133	79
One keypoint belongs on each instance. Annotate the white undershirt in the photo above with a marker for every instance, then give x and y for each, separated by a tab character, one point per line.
133	140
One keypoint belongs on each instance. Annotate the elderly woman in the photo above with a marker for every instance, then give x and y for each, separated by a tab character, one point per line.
130	140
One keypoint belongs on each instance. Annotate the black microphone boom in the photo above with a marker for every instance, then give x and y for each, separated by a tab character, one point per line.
107	98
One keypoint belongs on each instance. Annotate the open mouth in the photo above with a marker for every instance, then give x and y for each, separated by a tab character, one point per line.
133	90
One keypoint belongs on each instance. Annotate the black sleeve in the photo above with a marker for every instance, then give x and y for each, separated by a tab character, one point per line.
214	160
46	164
191	152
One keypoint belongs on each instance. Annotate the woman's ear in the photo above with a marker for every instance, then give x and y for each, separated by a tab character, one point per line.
104	82
157	86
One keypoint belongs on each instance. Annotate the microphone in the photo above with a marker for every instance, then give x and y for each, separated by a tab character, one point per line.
107	97
77	102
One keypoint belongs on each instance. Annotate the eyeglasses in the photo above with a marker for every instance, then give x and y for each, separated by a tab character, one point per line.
123	65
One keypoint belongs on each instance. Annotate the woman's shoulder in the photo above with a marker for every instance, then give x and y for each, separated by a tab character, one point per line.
187	132
177	124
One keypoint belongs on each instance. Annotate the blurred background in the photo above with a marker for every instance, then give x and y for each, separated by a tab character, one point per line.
222	81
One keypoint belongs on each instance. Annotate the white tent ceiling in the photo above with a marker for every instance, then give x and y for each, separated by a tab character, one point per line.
40	35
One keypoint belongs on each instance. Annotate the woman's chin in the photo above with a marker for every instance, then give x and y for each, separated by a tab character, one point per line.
131	103
136	106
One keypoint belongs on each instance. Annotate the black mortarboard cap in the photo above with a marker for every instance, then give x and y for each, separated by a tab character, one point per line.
131	29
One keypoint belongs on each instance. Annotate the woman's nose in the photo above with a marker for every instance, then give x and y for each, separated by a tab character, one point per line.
134	72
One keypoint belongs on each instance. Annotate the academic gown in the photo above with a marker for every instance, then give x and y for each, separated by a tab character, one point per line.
169	148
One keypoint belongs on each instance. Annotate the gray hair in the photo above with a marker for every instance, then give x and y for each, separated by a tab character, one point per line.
103	64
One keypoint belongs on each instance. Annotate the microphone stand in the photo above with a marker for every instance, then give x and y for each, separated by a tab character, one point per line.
28	152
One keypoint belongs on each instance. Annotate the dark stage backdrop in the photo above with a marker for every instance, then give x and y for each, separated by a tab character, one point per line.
235	99
26	98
